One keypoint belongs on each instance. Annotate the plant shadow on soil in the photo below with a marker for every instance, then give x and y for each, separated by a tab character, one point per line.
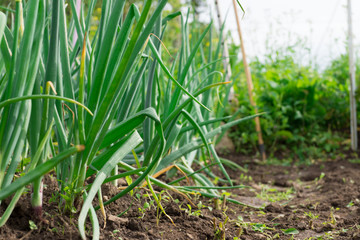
298	202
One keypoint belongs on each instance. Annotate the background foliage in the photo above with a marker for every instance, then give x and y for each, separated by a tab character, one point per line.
307	109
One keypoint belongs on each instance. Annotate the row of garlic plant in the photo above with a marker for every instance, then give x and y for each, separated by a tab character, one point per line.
96	107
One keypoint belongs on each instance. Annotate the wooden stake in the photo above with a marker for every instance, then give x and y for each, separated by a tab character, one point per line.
250	85
226	61
353	120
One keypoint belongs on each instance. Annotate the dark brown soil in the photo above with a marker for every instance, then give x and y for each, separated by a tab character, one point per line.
320	200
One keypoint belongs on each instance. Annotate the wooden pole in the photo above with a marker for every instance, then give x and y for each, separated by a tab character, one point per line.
353	120
226	61
250	85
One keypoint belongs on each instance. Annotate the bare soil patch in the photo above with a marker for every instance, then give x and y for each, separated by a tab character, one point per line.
320	200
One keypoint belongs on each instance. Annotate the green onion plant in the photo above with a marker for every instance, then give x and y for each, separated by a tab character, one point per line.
106	104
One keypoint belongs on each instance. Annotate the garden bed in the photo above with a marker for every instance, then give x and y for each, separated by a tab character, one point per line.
305	202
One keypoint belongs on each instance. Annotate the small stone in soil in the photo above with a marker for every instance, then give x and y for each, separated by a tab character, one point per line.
189	236
122	182
259	236
117	219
